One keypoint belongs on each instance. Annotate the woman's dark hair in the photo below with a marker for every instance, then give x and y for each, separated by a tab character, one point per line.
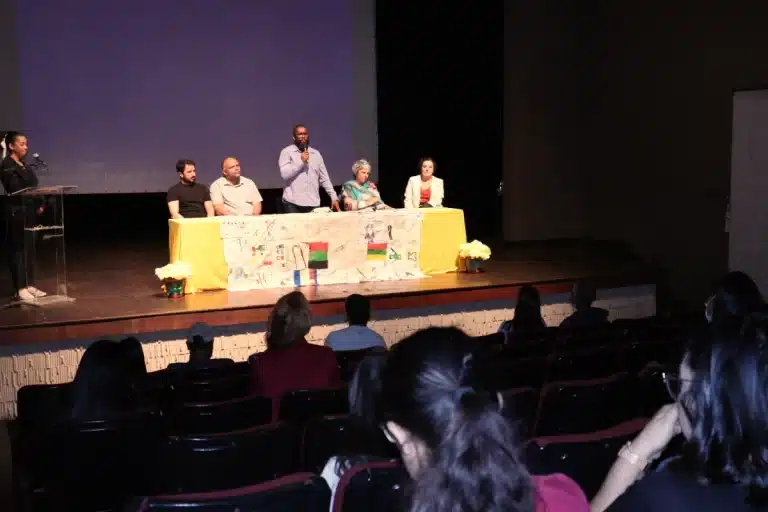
10	138
428	159
727	404
102	388
432	387
363	390
735	296
289	321
528	320
133	358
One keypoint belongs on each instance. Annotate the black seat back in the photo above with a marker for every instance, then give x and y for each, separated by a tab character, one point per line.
302	491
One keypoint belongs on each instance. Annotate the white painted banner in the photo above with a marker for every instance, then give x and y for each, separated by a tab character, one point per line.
273	251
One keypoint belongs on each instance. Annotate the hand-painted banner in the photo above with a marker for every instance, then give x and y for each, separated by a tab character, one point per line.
321	248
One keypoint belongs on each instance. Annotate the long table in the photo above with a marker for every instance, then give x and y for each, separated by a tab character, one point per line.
198	242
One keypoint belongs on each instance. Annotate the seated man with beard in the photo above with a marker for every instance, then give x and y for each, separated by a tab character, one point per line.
189	199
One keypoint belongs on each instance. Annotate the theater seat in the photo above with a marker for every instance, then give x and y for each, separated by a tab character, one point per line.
585	363
301	491
586	458
577	407
520	406
226	416
88	466
518	373
223	461
331	435
371	487
216	388
300	406
348	360
43	404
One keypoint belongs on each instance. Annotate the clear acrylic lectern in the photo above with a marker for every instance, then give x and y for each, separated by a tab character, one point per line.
45	260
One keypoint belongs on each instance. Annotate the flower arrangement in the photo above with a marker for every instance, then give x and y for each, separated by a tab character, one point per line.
174	271
475	250
473	254
173	277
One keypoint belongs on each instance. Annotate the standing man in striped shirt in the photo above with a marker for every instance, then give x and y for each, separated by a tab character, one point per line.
303	172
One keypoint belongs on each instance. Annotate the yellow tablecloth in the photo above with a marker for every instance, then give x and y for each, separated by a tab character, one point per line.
198	242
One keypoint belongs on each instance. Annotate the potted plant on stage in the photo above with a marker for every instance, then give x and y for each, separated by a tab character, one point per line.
174	277
474	254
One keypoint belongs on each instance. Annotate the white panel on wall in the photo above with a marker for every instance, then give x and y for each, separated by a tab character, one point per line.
748	222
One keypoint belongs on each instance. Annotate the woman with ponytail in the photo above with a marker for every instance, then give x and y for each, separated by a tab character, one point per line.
434	405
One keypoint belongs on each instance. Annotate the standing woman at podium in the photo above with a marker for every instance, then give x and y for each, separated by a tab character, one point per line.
16	175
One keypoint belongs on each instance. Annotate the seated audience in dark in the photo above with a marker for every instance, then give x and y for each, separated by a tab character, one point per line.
433	403
290	362
720	406
586	316
200	345
135	365
363	389
527	323
358	335
734	297
102	388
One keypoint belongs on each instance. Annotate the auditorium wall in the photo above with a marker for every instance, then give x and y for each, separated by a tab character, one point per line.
617	120
10	90
54	363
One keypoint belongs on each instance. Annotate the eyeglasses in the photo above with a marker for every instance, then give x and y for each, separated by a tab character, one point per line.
674	384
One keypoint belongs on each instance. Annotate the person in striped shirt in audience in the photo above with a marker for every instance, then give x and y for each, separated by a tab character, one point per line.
358	335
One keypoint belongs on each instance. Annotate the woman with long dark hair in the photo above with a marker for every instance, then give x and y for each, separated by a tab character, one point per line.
102	389
735	296
527	323
721	407
434	405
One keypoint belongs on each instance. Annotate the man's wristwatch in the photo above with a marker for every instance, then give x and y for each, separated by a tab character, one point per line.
633	458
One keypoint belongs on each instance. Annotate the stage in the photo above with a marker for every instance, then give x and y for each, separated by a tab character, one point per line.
117	293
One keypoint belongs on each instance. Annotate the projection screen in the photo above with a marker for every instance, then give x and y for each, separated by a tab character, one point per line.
113	93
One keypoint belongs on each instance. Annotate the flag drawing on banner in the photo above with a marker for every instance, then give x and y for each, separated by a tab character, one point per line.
304	277
377	252
318	255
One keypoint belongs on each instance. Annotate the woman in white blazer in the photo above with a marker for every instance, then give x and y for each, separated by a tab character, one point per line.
424	190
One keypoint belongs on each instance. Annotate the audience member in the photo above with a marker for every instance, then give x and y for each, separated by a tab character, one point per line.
358	335
290	362
102	387
200	345
735	296
362	395
135	365
586	316
527	322
721	408
434	405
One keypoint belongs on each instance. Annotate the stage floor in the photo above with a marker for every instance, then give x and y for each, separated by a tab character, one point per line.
116	281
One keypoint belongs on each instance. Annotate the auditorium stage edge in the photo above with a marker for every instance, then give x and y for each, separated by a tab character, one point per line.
117	294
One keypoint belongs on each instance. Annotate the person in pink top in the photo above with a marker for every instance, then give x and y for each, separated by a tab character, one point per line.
432	403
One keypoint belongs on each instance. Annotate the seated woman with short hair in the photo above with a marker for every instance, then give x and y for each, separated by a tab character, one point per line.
360	193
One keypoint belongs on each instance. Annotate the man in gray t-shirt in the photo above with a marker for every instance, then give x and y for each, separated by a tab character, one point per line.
233	194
